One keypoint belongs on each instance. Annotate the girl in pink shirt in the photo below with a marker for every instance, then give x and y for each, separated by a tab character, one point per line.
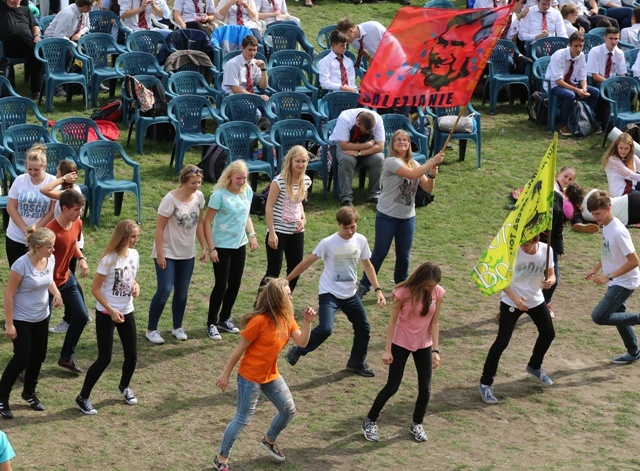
413	329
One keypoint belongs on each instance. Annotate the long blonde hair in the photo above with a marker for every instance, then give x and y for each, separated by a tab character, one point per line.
612	151
236	166
274	303
119	243
408	158
287	174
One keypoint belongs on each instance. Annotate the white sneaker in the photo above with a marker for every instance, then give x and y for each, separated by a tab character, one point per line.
179	333
154	337
60	328
212	332
129	396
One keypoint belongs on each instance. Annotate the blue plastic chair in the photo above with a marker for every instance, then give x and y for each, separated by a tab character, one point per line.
19	138
539	72
149	41
299	59
499	74
281	36
13	61
100	157
244	107
591	41
238	139
630	57
546	46
6	84
44	22
598	32
292	105
228	38
7	176
442	4
619	93
186	115
75	132
323	37
439	137
291	79
287	133
105	21
330	154
140	63
52	52
15	110
192	83
393	122
56	152
132	117
334	103
97	47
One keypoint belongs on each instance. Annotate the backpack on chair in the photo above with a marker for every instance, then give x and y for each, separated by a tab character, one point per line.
152	102
582	121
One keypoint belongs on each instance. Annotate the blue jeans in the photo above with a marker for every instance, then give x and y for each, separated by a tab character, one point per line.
612	311
77	313
387	229
567	98
354	310
176	276
277	392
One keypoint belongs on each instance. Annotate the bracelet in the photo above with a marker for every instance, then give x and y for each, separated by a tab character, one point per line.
83	258
252	234
435	350
212	250
264	70
378	289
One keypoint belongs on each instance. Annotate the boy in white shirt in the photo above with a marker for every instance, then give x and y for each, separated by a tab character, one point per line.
619	264
606	60
340	253
531	272
630	35
336	70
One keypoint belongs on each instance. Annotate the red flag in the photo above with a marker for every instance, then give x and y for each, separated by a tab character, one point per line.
432	57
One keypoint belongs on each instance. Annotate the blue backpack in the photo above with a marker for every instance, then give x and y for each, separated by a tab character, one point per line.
582	121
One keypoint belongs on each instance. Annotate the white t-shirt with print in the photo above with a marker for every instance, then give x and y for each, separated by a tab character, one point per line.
120	275
616	245
528	274
32	205
340	257
178	240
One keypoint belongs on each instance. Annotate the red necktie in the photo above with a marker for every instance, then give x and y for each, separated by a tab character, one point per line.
196	5
544	20
495	3
360	52
274	6
607	68
343	71
506	28
142	19
249	79
239	19
79	25
567	76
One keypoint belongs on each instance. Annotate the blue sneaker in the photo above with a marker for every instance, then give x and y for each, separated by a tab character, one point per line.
626	358
486	394
540	375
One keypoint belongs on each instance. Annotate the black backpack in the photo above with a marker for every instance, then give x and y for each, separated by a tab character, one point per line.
582	121
213	162
538	108
423	198
112	111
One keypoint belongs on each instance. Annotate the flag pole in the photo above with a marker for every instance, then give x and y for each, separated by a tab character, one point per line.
462	108
546	264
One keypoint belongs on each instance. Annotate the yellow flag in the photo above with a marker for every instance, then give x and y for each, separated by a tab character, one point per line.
532	215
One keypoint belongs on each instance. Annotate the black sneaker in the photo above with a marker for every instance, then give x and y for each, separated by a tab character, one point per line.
362	370
70	365
347	202
85	406
228	326
272	449
293	355
5	410
129	396
33	401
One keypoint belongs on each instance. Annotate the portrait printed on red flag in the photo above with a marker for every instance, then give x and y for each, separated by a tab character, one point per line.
432	57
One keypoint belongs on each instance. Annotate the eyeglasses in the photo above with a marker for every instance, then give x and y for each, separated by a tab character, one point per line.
197	171
401	140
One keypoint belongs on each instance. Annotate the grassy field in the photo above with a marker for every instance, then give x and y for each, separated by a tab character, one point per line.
588	420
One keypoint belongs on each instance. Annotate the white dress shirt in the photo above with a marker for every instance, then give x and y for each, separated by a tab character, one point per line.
235	73
597	61
265	6
559	66
531	25
582	8
371	33
187	9
329	72
630	35
232	18
347	120
66	23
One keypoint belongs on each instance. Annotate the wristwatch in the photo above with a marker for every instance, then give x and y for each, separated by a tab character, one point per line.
610	277
359	153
